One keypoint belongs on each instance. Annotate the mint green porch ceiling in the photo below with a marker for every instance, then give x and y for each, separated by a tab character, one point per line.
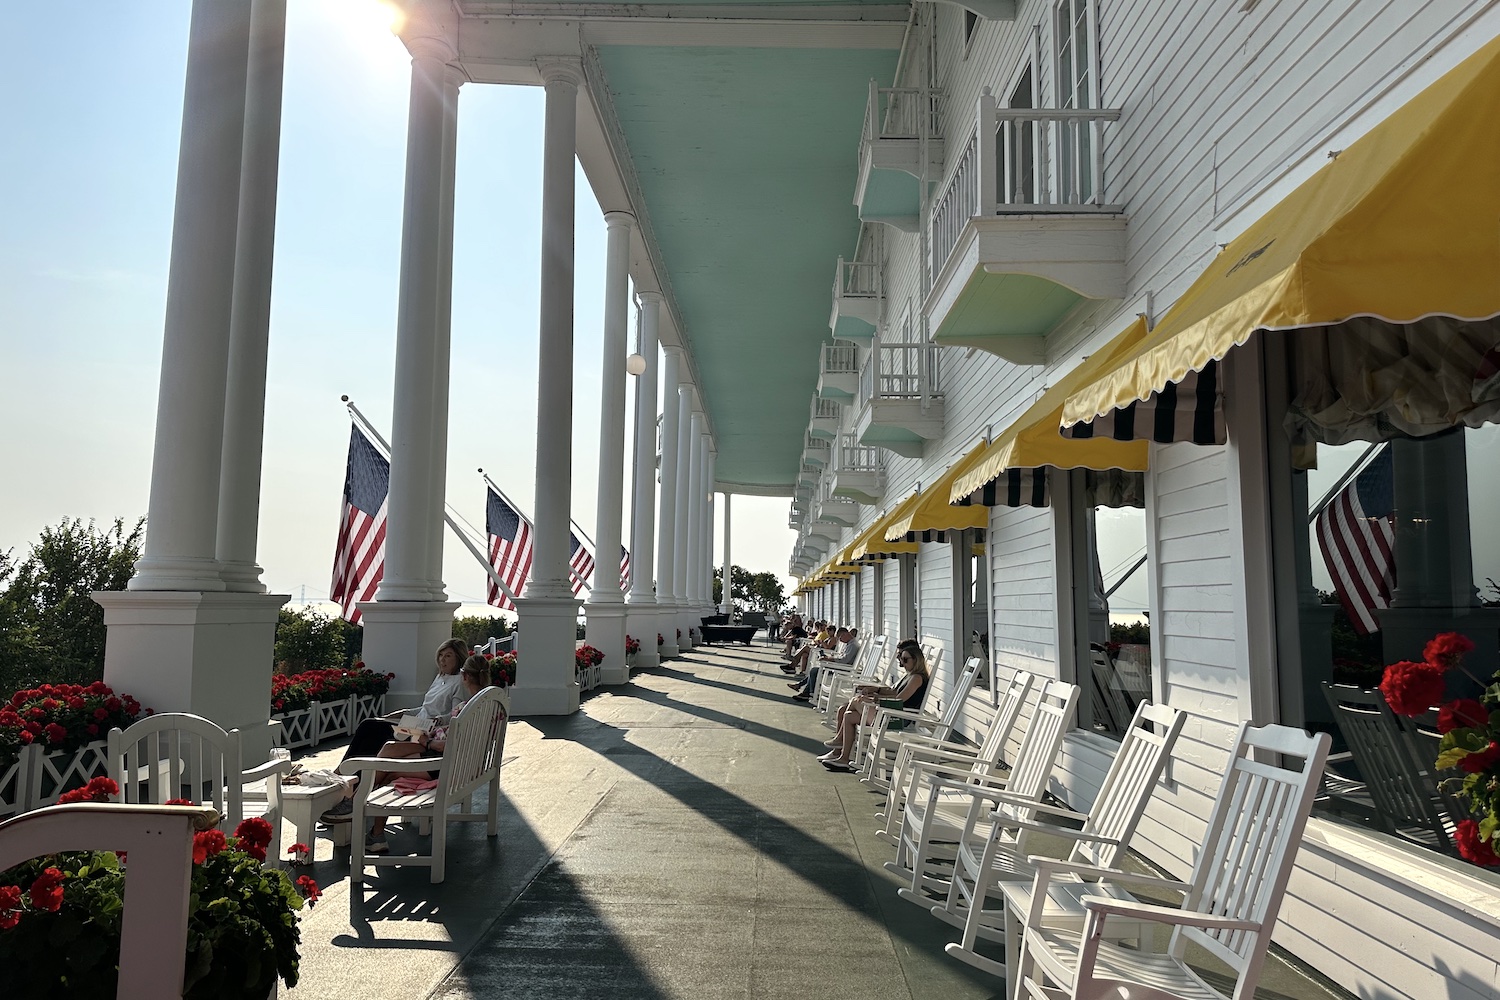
993	307
747	159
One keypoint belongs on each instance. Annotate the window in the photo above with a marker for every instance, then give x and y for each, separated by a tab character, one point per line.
1077	89
1109	596
971	24
1379	546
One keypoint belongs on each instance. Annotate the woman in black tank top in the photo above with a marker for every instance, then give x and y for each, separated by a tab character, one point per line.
860	710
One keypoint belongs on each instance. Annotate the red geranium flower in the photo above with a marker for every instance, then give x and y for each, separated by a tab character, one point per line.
1446	649
1464	713
1472	848
10	906
25	737
1412	688
207	844
1480	761
46	892
179	802
255	830
309	889
99	789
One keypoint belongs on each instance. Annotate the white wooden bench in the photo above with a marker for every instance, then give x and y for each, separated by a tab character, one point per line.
471	759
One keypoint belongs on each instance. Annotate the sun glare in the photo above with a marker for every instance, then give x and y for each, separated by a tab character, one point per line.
368	28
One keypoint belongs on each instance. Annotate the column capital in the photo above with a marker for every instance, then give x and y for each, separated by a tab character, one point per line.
433	47
560	69
616	219
646	295
455	75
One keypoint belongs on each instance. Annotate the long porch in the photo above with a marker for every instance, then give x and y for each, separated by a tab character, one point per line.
700	851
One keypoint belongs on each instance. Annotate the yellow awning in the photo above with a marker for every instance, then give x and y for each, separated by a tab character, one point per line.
871	541
1400	225
929	510
1034	441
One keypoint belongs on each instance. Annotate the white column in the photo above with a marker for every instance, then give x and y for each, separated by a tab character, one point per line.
453	79
250	314
175	638
687	513
706	553
413	430
641	620
728	607
545	679
407	620
671	472
181	545
606	608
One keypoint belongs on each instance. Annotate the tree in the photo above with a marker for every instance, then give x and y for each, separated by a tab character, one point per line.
739	586
307	639
51	631
767	592
477	630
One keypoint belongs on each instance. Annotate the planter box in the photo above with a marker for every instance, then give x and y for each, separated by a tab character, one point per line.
57	772
15	784
335	718
298	727
630	659
367	707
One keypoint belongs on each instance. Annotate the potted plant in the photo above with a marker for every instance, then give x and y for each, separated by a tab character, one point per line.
1471	735
242	930
632	650
503	673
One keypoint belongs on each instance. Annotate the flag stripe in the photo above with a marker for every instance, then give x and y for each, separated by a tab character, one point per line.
359	554
1358	543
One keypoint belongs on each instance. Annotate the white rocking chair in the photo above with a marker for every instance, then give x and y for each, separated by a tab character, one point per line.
983	864
932	826
1230	903
918	756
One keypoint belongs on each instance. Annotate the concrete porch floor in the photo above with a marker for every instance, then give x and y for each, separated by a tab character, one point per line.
675	839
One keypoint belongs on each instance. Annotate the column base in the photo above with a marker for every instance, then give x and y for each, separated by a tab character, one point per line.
605	631
641	622
545	683
666	627
192	576
204	653
401	638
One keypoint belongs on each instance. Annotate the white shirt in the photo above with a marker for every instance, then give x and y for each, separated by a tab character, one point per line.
444	691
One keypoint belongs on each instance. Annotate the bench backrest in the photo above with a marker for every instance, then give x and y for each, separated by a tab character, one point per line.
476	743
177	755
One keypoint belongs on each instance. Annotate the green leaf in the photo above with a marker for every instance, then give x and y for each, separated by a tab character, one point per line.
1487	826
1450	758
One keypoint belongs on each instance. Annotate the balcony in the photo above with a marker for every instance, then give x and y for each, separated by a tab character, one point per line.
826	415
1023	233
901	143
856	472
816	452
834	509
858	289
901	404
838	372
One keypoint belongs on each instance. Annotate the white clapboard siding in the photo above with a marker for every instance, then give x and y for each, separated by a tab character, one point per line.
866	580
937	619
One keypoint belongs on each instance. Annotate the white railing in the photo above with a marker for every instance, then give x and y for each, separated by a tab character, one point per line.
840	359
1022	160
826	409
851	456
901	113
958	203
816	444
858	279
900	371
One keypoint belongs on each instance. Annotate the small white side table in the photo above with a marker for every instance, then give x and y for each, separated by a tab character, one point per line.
303	805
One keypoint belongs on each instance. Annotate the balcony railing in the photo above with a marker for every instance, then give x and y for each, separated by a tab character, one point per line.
1026	161
900	371
851	456
859	279
901	112
840	359
826	409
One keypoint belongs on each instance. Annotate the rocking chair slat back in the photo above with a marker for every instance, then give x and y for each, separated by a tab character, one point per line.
1040	745
1121	801
1253	833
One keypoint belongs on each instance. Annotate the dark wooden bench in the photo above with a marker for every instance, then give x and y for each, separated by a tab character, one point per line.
729	633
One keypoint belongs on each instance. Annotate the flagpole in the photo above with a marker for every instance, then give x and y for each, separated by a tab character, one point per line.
1353	471
575	526
380	441
572	573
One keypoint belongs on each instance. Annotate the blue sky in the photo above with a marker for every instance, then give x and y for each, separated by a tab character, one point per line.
89	167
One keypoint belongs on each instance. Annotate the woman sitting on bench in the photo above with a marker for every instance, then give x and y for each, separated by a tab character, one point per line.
475	676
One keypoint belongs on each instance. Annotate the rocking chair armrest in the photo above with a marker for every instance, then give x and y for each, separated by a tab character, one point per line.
1061	832
395	765
957	769
908	715
919	755
1158	914
995	793
1046	867
265	771
1059	811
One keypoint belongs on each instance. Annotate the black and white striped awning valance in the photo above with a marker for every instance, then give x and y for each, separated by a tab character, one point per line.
925	536
1012	488
1190	410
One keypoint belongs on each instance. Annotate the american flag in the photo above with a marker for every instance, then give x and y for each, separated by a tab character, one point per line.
359	557
624	568
510	548
580	562
1356	532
